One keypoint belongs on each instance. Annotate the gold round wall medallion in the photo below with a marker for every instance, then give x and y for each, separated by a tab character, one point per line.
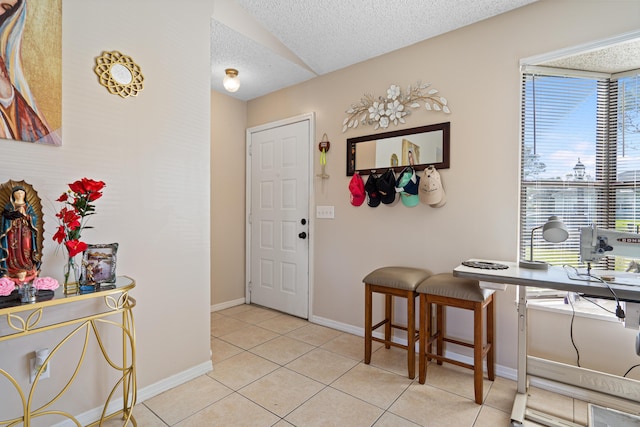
119	74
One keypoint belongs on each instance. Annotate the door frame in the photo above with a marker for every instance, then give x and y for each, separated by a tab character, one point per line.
311	118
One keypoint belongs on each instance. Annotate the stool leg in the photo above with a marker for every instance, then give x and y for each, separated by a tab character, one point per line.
477	352
429	327
490	337
411	334
368	323
425	336
388	313
440	331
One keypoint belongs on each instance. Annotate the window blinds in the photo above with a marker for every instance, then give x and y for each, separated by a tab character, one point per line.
580	159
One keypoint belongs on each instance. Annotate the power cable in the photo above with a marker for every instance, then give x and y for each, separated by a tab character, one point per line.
591	278
573	315
634	366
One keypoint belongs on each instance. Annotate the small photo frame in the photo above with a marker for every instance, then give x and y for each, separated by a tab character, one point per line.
99	264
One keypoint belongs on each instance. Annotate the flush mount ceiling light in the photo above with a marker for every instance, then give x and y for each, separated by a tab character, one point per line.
231	82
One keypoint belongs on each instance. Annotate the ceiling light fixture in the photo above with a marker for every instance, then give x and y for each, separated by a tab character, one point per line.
231	82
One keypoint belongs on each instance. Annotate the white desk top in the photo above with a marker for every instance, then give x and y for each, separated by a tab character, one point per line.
560	278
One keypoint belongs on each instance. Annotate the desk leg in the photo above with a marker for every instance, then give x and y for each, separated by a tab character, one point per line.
520	401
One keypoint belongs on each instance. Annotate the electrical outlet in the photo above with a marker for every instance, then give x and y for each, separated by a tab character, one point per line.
325	212
36	363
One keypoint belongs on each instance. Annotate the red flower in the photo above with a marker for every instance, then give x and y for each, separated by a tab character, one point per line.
75	247
93	186
69	217
77	187
94	196
77	206
60	234
86	185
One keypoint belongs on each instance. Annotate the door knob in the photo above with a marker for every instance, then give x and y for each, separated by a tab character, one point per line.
302	235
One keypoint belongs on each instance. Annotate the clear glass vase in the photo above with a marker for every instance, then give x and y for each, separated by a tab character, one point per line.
71	273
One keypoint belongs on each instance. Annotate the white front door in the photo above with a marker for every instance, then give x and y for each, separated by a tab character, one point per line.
279	217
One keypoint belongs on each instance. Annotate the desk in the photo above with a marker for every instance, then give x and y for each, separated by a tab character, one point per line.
26	319
554	278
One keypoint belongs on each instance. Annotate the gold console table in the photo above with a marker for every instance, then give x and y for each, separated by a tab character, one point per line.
21	319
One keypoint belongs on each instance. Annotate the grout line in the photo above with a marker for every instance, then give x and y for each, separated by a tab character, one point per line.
330	385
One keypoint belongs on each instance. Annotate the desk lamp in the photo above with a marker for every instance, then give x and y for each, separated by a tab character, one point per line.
553	231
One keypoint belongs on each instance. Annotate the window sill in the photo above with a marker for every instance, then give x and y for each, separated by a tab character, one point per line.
583	308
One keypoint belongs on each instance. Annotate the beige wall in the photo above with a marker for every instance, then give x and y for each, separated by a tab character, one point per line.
153	152
228	125
477	69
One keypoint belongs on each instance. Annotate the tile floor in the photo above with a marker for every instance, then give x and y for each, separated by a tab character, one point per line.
271	369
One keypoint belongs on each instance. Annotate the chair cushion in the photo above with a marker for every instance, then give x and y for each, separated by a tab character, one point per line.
405	278
446	285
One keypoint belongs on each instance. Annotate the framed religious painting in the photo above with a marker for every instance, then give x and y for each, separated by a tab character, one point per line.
31	71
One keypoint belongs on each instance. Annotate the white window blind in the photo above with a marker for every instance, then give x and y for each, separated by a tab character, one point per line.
580	160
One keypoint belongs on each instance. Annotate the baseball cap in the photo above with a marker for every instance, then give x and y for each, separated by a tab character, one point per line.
356	187
431	192
386	185
407	185
371	187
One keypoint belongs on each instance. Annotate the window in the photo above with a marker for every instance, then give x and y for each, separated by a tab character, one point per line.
580	159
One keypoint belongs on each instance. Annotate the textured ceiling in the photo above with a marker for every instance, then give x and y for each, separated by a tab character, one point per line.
617	58
278	43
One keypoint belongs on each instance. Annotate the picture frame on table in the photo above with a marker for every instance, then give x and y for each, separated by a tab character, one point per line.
99	263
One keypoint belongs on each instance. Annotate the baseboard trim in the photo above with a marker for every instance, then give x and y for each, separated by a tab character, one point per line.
173	381
145	393
501	371
578	383
228	304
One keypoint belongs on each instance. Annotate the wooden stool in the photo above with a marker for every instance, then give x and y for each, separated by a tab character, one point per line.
447	290
398	282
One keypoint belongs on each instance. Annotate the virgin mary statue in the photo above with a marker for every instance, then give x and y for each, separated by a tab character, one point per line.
19	238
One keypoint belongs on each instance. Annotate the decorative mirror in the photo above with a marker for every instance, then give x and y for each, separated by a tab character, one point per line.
21	231
418	147
119	74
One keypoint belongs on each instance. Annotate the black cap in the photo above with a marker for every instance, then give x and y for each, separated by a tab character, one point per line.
373	197
387	187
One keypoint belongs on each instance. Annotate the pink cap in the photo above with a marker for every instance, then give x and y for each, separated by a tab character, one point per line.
356	187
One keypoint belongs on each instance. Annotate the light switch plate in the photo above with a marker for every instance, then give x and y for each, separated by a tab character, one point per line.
325	212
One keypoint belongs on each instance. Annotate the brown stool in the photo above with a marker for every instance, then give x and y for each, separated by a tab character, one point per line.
447	290
398	282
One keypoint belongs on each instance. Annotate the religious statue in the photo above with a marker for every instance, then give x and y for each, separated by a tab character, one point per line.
20	232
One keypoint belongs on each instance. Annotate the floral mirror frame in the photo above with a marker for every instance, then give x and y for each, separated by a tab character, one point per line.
119	74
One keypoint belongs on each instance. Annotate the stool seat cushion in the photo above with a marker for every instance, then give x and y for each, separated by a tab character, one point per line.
405	278
447	285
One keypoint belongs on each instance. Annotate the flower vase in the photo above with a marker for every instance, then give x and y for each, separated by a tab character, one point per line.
71	273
